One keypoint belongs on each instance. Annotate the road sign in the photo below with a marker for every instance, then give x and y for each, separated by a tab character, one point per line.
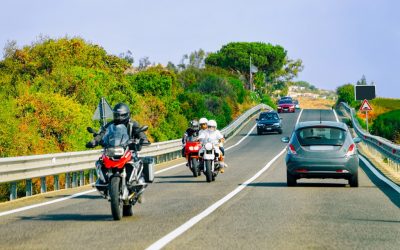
365	106
103	111
364	92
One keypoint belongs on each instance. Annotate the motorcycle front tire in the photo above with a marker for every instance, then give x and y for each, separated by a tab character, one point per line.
208	173
194	166
116	205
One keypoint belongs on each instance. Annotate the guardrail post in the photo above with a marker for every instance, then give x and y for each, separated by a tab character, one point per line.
91	175
56	182
82	179
67	180
28	187
74	180
43	187
13	191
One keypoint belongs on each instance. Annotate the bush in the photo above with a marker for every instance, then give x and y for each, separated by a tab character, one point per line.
387	125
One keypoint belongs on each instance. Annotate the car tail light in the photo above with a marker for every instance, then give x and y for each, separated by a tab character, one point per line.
292	150
302	170
351	150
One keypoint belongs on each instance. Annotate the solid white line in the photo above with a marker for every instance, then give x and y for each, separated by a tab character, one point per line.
379	175
169	168
237	143
45	203
337	118
190	223
298	118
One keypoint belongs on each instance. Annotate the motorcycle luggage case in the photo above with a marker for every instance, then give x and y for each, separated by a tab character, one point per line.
148	169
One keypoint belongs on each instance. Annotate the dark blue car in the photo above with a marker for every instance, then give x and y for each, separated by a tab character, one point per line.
269	122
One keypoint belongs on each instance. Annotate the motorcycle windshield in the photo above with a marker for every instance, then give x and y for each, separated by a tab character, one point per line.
116	135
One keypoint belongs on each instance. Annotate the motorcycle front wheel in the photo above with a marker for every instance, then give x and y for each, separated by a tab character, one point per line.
194	166
116	205
208	172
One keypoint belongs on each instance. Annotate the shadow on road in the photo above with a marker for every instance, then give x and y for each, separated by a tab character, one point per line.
89	197
392	194
174	176
283	184
69	217
180	181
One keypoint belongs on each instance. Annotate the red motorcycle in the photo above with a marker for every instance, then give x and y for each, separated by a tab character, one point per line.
123	176
192	156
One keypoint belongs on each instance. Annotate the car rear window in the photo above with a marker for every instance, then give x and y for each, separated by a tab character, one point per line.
321	136
286	101
269	116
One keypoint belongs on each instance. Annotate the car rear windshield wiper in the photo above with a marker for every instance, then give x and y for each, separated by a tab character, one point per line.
313	137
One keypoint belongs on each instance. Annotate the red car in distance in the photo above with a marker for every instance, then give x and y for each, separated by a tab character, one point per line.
286	105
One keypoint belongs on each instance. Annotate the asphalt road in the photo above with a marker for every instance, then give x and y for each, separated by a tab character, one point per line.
265	214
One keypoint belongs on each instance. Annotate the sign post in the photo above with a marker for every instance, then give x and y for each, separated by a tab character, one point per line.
365	106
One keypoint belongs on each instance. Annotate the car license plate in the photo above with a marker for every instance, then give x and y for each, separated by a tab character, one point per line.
321	148
269	128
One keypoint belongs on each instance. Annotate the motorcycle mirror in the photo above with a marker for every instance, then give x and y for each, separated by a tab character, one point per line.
90	130
144	128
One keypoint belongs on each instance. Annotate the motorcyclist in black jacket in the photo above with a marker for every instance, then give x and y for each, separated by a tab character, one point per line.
192	131
121	113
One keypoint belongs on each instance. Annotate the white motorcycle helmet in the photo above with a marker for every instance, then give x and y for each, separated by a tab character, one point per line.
212	125
203	121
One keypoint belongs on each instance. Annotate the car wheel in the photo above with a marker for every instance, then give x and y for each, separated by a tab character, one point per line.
353	181
280	131
259	132
291	180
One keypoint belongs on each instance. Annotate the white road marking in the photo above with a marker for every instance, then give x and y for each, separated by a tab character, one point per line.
45	203
190	223
379	175
94	190
337	118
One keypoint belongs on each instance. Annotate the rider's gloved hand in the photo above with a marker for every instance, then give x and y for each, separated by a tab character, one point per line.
91	144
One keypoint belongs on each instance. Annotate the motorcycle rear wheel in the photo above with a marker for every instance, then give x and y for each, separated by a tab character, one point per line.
116	205
194	166
208	173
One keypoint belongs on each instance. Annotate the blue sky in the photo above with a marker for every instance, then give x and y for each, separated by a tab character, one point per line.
338	40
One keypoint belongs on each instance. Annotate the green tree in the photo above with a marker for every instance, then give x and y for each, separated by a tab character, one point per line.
235	57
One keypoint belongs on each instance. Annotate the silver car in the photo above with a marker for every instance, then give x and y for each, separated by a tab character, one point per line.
322	149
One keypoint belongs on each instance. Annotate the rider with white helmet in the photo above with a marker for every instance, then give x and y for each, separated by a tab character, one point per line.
203	125
215	135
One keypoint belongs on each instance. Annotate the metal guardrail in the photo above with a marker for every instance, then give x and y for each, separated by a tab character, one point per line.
14	169
387	148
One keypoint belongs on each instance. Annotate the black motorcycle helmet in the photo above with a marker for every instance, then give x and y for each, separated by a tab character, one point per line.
121	113
194	124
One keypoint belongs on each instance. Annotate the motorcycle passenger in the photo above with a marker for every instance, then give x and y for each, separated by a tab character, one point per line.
121	115
192	131
216	137
203	125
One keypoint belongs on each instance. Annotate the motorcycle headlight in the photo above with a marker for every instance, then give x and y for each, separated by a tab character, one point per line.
208	146
117	151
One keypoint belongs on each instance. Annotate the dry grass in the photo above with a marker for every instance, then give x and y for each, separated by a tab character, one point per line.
310	103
